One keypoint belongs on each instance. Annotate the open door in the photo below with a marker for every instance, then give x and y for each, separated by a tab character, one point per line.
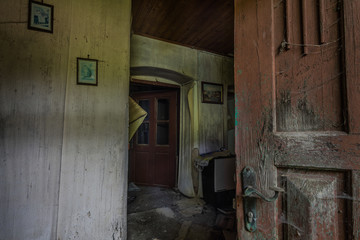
298	118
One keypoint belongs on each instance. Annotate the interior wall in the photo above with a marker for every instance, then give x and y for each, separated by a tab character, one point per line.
212	117
198	65
94	162
205	129
33	72
63	148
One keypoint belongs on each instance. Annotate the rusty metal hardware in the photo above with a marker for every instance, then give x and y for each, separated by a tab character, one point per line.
250	194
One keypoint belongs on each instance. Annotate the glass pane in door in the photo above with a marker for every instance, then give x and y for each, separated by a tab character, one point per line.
162	134
145	104
163	109
143	134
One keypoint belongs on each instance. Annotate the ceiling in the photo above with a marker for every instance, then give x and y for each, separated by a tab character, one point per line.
202	24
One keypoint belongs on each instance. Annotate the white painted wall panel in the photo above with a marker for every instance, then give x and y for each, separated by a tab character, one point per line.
33	70
93	190
40	101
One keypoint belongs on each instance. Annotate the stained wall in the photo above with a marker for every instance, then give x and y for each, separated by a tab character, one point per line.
203	126
63	148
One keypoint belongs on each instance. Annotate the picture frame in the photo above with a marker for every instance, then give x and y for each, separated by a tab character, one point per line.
212	93
87	71
41	16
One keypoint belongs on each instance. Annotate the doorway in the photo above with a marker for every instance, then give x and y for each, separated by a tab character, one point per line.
153	149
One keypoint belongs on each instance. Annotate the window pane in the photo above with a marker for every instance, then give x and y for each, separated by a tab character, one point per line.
146	106
143	134
163	109
162	134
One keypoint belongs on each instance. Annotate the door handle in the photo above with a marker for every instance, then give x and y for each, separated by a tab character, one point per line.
250	194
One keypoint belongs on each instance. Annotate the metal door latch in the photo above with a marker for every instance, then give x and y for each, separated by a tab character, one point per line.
250	194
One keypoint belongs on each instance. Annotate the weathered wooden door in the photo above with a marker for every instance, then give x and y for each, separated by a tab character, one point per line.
298	116
153	148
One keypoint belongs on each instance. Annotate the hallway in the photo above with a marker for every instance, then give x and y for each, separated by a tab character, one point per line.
164	214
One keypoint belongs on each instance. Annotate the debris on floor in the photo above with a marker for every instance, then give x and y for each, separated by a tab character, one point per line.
133	188
165	214
190	206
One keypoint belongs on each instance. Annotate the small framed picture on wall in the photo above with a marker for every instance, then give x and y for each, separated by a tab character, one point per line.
87	71
212	92
41	16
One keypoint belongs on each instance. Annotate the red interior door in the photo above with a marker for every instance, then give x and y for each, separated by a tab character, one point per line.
298	116
153	148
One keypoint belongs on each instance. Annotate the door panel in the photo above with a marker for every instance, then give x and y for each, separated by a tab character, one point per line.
314	205
309	75
297	124
162	174
142	164
153	149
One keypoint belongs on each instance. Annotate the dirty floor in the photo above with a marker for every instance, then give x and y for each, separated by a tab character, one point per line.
160	213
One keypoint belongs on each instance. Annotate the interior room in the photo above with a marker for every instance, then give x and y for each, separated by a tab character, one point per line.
179	119
171	52
171	71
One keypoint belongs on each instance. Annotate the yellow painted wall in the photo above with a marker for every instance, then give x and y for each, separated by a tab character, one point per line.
203	126
63	147
198	65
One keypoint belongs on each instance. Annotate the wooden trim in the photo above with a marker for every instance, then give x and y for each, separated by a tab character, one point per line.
304	26
322	14
154	83
254	83
355	182
330	151
288	22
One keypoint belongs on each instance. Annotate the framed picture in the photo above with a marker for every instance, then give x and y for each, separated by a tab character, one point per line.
87	71
212	92
41	16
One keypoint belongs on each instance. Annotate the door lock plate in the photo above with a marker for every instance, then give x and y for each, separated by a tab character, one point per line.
248	179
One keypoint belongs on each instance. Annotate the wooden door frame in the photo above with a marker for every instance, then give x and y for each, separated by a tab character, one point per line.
168	87
254	29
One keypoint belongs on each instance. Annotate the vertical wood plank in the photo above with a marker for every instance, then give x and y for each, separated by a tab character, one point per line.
33	72
305	26
94	164
254	85
288	22
322	14
356	204
352	56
